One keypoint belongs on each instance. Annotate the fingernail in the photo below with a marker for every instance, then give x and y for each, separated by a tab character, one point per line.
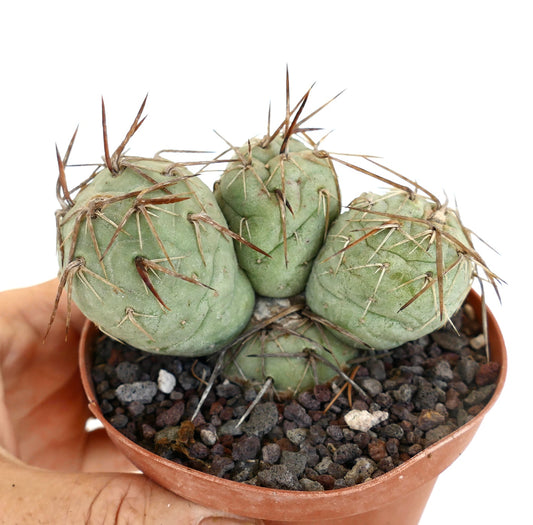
213	520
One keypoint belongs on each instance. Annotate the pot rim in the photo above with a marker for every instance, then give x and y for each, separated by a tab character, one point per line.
430	455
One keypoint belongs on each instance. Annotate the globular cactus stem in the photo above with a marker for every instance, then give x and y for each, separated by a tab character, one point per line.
291	350
281	195
394	267
146	254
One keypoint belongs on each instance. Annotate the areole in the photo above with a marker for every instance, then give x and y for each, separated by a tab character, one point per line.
397	497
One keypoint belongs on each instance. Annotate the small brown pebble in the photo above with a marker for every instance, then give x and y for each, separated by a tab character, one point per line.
406	425
171	416
226	440
198	450
285	444
475	410
453	401
461	388
429	419
226	414
148	431
219	450
246	448
316	415
377	449
336	470
392	446
412	437
217	407
327	481
362	439
487	373
221	465
322	393
414	449
386	464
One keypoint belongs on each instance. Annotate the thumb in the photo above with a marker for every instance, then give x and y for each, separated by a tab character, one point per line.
30	495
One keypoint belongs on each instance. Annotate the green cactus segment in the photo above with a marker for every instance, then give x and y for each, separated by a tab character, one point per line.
283	204
393	269
148	267
293	351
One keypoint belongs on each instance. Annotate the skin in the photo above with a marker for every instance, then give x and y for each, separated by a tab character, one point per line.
51	469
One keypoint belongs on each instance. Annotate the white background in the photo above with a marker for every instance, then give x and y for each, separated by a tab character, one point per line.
442	91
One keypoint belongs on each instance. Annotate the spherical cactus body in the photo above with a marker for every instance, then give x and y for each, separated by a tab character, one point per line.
282	202
145	255
394	268
294	351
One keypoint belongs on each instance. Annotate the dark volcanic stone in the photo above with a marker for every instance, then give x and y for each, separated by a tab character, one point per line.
426	397
487	373
335	432
127	372
442	370
119	421
311	485
322	393
467	369
227	390
171	416
262	420
393	431
297	413
246	448
450	340
480	395
370	385
317	434
221	465
309	401
346	453
433	435
271	453
280	477
429	419
427	388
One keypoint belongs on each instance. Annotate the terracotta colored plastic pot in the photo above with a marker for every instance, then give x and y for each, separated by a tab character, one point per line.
397	497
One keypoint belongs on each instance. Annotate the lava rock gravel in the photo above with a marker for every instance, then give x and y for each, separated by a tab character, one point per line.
418	393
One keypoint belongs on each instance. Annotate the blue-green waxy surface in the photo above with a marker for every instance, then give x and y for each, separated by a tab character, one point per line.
188	318
368	288
282	203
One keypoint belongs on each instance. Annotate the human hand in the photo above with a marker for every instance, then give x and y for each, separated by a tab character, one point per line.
51	469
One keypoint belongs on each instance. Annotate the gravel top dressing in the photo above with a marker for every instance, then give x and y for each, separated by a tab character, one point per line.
330	437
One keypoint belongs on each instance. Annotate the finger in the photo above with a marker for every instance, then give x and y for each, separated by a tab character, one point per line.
101	455
31	308
97	498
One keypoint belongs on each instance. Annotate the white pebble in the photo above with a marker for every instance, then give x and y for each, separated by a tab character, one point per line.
363	420
478	342
166	381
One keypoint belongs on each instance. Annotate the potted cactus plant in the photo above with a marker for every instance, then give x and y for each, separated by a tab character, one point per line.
263	291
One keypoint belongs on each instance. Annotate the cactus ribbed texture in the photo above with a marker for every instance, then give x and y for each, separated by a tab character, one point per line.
282	202
159	261
394	267
295	352
146	263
